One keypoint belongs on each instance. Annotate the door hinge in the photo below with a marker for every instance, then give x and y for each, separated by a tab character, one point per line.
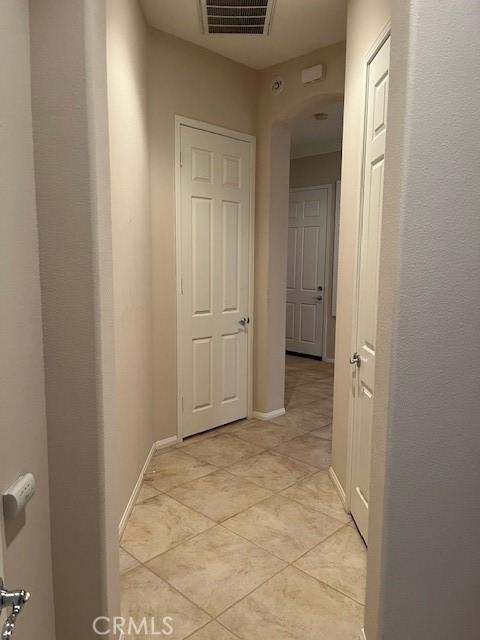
181	286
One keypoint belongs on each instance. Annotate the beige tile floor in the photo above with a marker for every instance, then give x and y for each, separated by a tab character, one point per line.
238	533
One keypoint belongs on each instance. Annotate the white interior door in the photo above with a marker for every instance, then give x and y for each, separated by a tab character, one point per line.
367	297
215	216
307	241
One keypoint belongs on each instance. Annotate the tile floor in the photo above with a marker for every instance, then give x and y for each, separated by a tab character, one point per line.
238	533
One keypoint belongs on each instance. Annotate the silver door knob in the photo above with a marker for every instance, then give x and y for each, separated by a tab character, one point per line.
244	321
16	600
356	359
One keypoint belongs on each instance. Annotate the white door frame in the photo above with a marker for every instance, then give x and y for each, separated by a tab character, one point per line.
328	256
251	140
374	49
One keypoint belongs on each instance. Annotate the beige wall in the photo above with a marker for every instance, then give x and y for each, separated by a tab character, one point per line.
69	101
237	98
275	115
424	561
314	171
25	541
365	21
131	239
190	81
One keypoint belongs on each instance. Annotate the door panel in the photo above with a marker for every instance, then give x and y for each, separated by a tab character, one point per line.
201	256
230	344
290	321
215	213
292	258
308	215
202	373
309	253
308	323
231	250
367	295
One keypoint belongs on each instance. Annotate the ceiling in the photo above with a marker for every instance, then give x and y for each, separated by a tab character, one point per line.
298	27
311	137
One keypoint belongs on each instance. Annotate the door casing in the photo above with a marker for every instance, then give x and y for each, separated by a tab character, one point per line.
251	140
375	48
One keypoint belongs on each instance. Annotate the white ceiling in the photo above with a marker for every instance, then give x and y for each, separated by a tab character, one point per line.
311	137
298	27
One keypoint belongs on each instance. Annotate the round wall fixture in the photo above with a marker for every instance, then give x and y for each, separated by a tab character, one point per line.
278	85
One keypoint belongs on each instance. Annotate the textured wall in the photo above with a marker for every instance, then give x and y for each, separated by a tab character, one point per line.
424	561
275	115
27	554
71	170
190	81
131	239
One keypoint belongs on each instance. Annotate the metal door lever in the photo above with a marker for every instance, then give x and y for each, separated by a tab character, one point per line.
356	359
16	600
244	321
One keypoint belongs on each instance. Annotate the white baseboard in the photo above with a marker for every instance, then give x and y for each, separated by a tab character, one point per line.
270	415
338	487
329	360
160	444
166	442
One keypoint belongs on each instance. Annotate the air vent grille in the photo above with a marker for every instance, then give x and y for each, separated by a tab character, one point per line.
237	16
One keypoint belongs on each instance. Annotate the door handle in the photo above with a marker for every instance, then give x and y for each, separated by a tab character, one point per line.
244	321
318	297
16	600
356	359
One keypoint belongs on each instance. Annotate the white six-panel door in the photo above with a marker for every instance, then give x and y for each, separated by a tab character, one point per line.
215	216
307	233
376	128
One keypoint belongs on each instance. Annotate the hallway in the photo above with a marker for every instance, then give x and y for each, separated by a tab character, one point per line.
239	532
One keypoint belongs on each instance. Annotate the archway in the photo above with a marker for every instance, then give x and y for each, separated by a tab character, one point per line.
273	159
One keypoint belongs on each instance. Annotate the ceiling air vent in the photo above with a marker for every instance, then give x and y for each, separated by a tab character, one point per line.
248	17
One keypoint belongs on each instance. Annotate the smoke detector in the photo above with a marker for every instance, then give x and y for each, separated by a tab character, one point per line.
277	86
247	17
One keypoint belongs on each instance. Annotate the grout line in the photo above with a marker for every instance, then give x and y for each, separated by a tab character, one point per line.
235	635
289	562
145	566
181	484
221	523
318	544
255	544
318	510
228	517
275	491
274	575
226	628
361	604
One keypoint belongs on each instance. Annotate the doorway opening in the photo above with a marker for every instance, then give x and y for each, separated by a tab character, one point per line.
312	259
313	218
